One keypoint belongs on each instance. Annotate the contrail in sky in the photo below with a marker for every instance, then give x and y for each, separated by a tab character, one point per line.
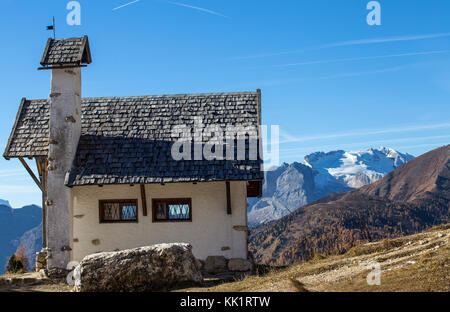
335	76
198	8
348	43
361	58
126	4
383	40
290	138
293	151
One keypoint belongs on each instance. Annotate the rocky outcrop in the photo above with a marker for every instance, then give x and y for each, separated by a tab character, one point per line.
152	268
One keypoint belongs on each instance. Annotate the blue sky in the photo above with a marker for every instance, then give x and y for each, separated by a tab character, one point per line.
328	79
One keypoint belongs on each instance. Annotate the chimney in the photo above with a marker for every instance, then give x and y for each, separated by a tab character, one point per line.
65	58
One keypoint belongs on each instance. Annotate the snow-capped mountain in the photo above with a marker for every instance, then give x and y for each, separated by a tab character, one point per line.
289	187
4	203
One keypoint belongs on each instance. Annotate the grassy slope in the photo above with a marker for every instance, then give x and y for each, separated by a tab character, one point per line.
419	262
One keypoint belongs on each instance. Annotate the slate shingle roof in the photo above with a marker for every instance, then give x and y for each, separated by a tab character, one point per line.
66	52
128	139
29	136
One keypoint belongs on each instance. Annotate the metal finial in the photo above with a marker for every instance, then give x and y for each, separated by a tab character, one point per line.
53	27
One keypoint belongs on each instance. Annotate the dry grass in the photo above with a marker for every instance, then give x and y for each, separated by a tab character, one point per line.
431	273
30	282
419	262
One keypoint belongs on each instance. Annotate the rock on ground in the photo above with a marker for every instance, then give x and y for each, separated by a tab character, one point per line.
152	268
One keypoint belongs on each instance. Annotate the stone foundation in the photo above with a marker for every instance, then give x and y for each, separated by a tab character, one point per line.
41	260
219	264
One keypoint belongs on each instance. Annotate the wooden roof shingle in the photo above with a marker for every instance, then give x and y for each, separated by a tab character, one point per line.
70	51
127	140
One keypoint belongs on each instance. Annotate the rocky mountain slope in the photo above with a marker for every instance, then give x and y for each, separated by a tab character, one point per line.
289	187
415	263
19	226
408	200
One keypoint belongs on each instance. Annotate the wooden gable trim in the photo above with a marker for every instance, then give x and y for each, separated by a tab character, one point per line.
42	163
144	201
228	190
13	131
44	55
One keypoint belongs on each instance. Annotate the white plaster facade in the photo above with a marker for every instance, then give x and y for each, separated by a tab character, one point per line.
210	232
65	129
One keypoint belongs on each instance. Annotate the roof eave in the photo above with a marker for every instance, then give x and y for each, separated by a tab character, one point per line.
13	131
44	55
70	183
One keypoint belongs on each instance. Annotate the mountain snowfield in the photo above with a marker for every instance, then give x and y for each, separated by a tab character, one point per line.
288	187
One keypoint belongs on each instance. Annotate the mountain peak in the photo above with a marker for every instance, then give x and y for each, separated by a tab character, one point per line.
289	186
5	203
420	177
410	199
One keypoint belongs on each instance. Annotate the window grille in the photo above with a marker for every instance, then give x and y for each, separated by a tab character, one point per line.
175	209
118	211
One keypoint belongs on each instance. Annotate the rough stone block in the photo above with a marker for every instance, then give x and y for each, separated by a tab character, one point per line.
240	265
215	264
152	268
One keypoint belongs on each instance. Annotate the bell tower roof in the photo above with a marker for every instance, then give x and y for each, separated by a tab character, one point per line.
70	52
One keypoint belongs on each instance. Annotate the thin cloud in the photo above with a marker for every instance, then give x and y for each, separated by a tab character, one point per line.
293	151
7	189
361	58
435	145
348	43
385	40
288	138
198	8
12	173
355	74
126	4
273	82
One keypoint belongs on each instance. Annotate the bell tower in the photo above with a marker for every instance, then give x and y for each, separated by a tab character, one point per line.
65	58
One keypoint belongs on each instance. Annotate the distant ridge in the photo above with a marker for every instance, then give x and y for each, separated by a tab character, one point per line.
291	186
408	200
14	226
